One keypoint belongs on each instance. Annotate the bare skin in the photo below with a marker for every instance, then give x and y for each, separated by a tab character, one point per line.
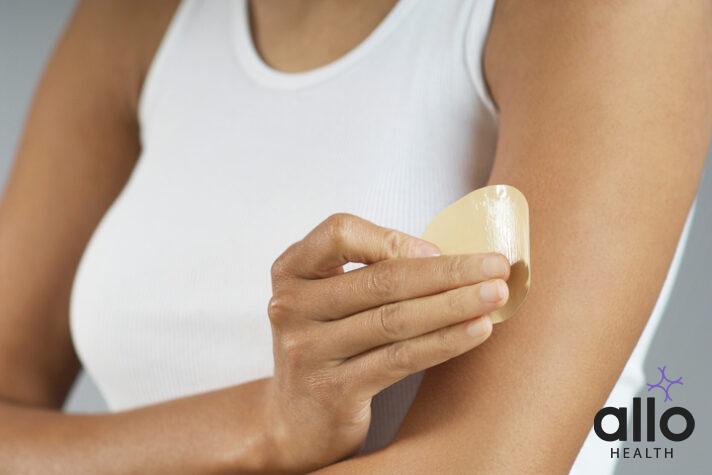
605	121
298	35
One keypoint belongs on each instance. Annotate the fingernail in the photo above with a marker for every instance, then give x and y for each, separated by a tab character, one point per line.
493	290
480	327
425	249
494	266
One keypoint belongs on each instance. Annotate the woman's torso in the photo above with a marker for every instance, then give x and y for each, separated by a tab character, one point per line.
239	161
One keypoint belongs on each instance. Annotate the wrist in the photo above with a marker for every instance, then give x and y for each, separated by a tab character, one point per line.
277	445
268	448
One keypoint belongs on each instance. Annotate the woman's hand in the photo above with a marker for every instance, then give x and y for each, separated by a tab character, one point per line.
341	337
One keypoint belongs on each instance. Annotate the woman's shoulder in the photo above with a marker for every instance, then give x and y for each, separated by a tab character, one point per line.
129	33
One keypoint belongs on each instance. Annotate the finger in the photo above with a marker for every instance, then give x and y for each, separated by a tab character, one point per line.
343	238
398	279
410	318
377	369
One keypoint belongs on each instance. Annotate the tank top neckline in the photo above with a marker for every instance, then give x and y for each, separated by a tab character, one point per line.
265	75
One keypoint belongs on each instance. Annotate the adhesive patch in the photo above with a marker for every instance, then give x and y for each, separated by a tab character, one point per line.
491	219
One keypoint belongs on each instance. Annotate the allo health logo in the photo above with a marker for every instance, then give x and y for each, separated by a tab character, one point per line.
664	386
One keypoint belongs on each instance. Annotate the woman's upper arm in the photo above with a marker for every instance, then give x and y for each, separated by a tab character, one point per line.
79	145
605	118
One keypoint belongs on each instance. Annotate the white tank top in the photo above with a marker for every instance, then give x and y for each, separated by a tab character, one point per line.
239	161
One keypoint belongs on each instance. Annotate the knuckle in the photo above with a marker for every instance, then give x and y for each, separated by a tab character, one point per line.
399	360
278	309
280	267
383	281
393	242
338	226
277	268
338	219
387	322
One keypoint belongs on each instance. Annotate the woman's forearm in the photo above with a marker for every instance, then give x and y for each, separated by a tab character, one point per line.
225	431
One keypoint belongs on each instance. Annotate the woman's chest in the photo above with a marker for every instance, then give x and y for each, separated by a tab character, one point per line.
170	298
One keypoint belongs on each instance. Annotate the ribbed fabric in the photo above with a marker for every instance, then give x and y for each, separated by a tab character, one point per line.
239	161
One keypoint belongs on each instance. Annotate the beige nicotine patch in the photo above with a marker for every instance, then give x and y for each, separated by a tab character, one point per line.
491	219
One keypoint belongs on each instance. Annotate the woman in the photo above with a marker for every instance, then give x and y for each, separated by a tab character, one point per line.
255	123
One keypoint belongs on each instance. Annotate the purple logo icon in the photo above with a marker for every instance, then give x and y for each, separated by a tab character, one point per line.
665	387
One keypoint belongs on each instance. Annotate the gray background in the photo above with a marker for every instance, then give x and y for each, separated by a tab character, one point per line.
28	29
